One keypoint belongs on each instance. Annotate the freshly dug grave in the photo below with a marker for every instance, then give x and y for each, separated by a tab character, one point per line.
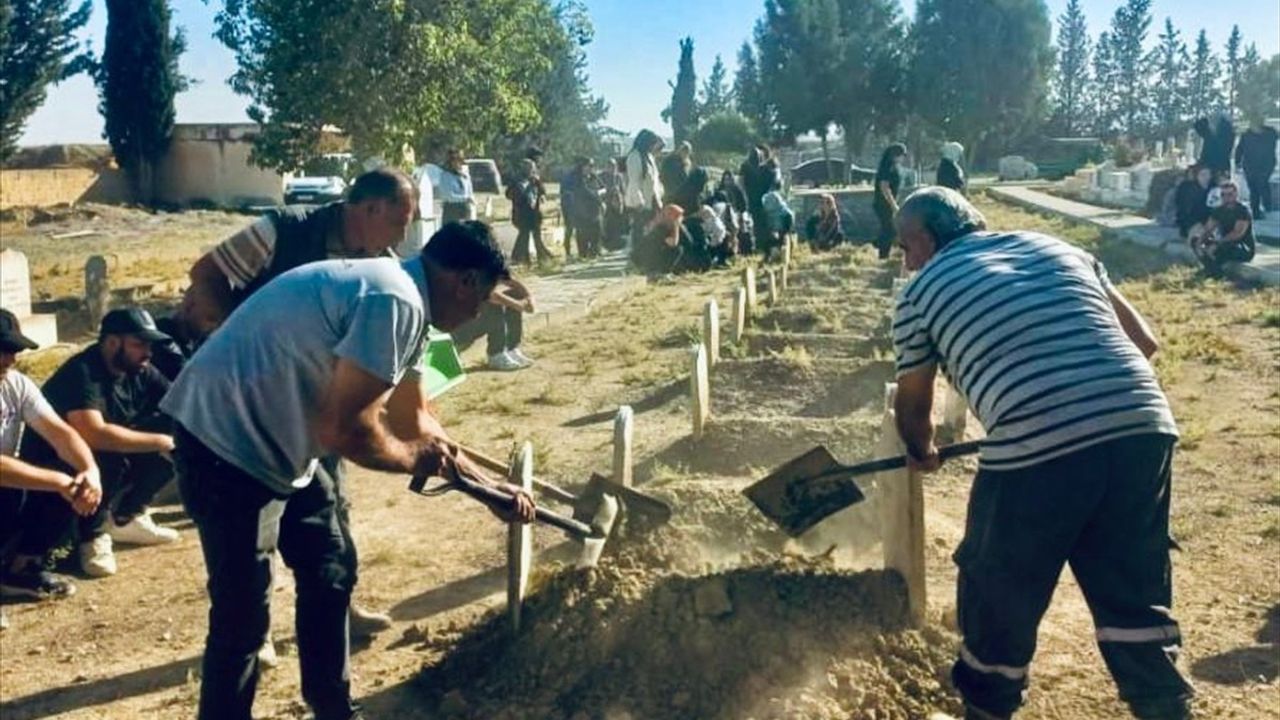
649	635
793	383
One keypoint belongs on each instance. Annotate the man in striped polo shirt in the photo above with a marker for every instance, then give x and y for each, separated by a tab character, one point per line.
1076	466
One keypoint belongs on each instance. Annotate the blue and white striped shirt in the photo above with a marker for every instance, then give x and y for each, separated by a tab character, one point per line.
1022	325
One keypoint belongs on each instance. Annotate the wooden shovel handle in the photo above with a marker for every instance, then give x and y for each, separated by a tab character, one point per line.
495	465
945	452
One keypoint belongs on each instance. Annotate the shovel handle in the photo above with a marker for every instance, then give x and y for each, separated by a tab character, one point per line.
493	496
498	466
946	452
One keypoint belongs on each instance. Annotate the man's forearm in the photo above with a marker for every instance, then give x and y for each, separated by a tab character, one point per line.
374	446
120	439
72	448
15	473
916	432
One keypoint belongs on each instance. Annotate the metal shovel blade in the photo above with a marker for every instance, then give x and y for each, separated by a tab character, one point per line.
635	502
796	496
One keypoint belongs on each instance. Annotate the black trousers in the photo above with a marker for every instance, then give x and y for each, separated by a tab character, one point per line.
1104	510
884	241
524	237
241	525
1259	190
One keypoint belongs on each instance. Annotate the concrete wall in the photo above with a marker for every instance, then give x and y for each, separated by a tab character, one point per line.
57	186
210	164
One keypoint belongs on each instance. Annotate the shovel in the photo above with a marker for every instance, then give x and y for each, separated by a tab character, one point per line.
808	489
585	505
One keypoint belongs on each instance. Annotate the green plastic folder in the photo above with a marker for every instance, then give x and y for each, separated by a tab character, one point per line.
441	367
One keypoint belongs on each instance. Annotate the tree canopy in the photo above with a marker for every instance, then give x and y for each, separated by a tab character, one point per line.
37	48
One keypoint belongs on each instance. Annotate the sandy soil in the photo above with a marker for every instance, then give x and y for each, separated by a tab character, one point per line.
128	646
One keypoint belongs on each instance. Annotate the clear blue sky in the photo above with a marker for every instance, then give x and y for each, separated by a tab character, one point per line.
633	56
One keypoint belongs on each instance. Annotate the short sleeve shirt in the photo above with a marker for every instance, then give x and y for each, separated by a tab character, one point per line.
21	403
247	254
1226	216
253	391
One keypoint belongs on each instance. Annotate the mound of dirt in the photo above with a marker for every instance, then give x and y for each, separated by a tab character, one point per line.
646	635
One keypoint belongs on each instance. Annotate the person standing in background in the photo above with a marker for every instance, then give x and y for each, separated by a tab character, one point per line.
644	189
526	195
458	200
587	205
950	174
760	176
615	209
884	199
1256	157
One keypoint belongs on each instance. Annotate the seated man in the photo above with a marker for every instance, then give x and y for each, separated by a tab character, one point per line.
22	404
111	395
1228	233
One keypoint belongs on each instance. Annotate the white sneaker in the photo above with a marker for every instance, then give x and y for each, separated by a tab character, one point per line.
518	355
96	557
141	530
504	362
267	657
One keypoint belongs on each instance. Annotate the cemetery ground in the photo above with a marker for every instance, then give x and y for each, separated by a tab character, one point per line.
129	646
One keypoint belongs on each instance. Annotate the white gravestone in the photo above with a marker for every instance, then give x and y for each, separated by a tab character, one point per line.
711	331
519	539
15	296
623	430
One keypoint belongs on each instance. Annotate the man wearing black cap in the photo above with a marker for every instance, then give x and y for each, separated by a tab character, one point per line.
21	404
111	395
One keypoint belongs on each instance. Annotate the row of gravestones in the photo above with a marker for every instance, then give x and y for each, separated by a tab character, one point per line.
15	295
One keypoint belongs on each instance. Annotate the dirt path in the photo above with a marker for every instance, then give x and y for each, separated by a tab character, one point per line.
126	647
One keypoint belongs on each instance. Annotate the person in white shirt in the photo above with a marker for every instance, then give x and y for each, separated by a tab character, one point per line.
456	195
22	404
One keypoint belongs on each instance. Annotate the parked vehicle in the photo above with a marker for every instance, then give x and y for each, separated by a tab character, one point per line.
313	190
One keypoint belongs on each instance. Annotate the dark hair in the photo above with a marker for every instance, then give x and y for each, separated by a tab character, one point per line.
645	141
891	153
384	183
467	245
533	153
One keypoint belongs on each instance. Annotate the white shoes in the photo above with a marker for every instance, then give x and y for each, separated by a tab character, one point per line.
96	557
518	355
504	362
141	530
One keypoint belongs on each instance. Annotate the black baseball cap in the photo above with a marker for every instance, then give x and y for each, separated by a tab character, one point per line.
11	337
132	321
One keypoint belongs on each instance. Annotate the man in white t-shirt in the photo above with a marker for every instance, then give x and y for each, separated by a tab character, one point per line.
22	404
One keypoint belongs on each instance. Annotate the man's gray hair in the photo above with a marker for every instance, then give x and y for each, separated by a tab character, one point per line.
943	213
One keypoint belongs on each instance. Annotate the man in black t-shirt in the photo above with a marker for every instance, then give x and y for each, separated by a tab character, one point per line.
1228	233
110	394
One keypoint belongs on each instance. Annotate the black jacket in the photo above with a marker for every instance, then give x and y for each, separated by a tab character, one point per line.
950	175
1256	151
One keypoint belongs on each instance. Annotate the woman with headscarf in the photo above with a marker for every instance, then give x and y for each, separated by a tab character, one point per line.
884	198
950	174
644	189
729	191
824	229
693	192
760	175
586	207
675	171
615	211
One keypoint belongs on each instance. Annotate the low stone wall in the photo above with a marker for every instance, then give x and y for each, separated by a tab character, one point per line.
60	186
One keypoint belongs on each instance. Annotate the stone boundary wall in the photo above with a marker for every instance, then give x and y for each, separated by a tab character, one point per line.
59	186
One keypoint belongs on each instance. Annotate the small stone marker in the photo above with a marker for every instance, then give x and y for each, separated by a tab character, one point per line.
898	285
97	288
773	288
519	539
786	252
786	270
711	331
955	414
699	390
623	429
15	296
749	282
902	514
739	314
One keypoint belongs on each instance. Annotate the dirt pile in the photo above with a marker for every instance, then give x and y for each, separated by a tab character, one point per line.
652	634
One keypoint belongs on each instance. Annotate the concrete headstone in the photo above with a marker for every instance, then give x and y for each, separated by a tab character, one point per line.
699	390
749	282
15	296
773	288
97	288
739	314
902	514
519	539
711	331
623	430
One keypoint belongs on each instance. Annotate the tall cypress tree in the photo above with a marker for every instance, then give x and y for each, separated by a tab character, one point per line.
1129	28
1202	78
1072	82
137	80
717	97
37	48
683	111
1232	77
1171	63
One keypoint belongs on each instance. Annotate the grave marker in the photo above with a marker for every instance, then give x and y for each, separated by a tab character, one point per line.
711	331
623	429
519	538
955	414
699	390
97	289
739	315
773	288
749	282
15	296
786	270
902	514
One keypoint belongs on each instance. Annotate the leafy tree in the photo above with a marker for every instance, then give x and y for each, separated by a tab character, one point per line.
1129	27
726	132
1232	78
871	79
37	48
1104	86
1170	59
682	113
980	69
748	94
137	80
717	96
1202	80
469	70
1071	84
1259	95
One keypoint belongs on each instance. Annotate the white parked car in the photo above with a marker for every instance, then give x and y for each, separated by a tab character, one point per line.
313	190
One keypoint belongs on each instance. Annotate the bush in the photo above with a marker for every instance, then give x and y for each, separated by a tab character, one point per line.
727	132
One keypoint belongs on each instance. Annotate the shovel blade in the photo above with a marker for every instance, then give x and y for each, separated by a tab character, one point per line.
795	496
635	502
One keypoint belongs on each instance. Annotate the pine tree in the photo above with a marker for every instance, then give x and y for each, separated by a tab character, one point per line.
37	48
1104	85
1129	28
1071	86
717	97
1170	59
747	97
137	80
682	113
1202	79
1232	78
